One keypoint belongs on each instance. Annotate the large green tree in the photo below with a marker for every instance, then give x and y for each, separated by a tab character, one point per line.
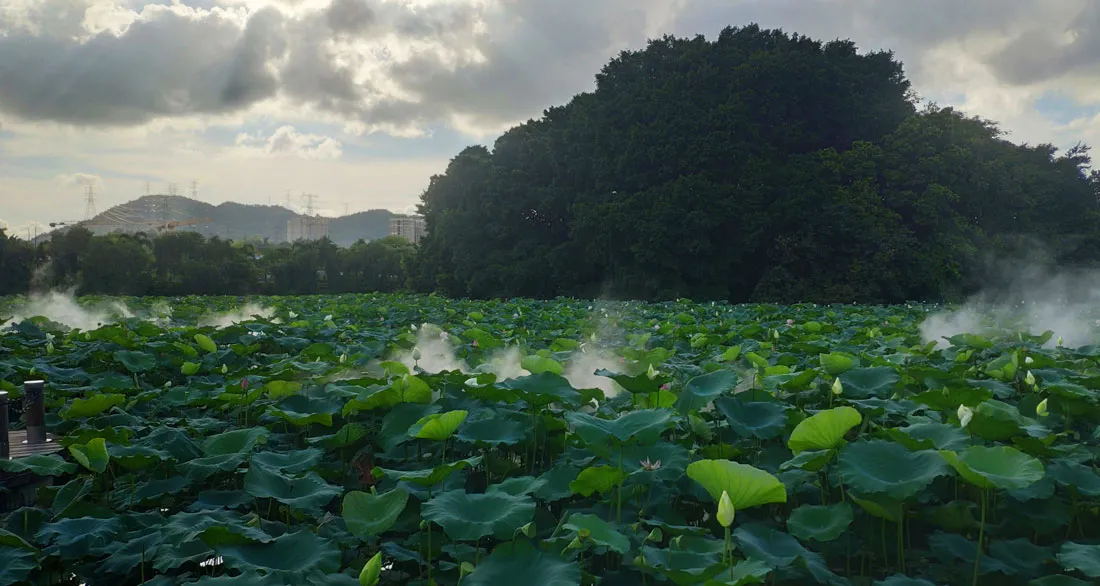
757	166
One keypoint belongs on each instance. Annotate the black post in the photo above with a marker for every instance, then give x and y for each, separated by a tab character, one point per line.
5	449
34	411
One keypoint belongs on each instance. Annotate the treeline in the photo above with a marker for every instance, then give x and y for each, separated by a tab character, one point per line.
186	263
760	166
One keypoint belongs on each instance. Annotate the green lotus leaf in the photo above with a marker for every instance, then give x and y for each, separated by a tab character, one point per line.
190	368
77	537
206	344
293	555
16	565
640	384
149	490
92	406
1082	478
760	419
746	486
599	531
1081	557
824	430
367	515
521	561
1000	467
302	411
130	552
428	476
203	468
693	561
92	455
295	462
438	426
879	506
39	465
536	364
836	363
881	467
820	522
997	420
237	441
601	479
136	362
644	426
308	493
495	427
861	383
281	389
779	550
469	517
518	485
544	388
930	435
811	461
701	391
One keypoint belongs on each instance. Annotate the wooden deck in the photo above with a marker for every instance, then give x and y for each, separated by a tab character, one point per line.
19	449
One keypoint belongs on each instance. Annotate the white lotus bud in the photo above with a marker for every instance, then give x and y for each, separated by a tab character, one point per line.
965	415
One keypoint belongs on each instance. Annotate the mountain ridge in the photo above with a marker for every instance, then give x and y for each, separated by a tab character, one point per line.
232	220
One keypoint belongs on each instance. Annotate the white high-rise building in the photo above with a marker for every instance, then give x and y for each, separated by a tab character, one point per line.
411	228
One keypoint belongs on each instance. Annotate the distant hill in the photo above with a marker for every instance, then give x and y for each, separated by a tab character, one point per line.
232	220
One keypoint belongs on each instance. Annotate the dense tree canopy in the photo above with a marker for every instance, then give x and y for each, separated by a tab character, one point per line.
186	263
758	166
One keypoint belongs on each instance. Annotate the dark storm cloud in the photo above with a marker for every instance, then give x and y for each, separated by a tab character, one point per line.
169	65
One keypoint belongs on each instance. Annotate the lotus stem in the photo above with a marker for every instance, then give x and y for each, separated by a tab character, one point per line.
981	538
619	503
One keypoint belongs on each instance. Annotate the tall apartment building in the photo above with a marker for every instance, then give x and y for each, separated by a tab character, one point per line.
411	228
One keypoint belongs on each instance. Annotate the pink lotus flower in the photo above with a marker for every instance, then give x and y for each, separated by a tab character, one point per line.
790	322
244	384
475	343
664	387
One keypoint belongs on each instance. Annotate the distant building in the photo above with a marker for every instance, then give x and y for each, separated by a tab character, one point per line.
306	228
411	228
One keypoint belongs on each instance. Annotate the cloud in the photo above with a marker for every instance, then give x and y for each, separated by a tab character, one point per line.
79	180
389	65
288	141
171	61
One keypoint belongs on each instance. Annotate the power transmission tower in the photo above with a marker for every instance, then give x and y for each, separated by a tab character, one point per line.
195	190
172	189
89	202
148	188
310	200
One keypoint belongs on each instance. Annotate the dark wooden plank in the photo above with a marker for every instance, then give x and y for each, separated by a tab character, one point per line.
19	449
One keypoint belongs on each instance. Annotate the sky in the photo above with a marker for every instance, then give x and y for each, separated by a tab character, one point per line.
360	101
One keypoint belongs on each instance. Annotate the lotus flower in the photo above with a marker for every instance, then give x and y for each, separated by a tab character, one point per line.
838	387
1041	408
725	510
965	415
1030	379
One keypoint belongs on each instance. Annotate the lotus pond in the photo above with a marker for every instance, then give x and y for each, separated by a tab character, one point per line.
374	439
